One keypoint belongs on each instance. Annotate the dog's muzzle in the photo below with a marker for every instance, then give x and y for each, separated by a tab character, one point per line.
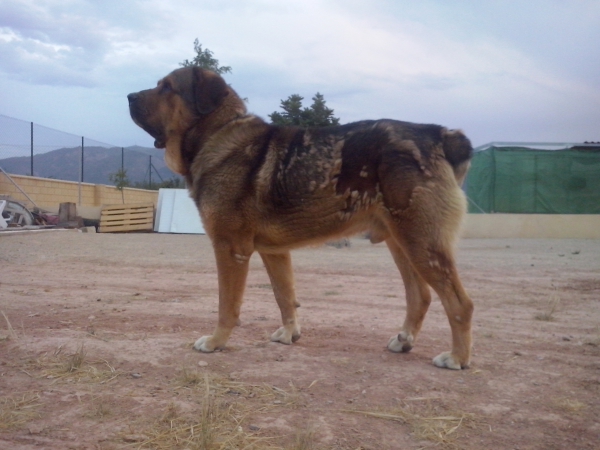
134	108
137	113
133	97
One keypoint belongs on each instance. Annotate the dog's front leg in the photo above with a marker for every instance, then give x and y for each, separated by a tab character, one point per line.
232	267
279	268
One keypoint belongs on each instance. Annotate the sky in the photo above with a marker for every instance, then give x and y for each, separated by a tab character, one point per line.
503	70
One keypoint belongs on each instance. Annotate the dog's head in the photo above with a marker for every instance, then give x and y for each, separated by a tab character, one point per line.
180	101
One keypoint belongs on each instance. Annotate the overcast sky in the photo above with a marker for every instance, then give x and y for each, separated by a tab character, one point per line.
523	70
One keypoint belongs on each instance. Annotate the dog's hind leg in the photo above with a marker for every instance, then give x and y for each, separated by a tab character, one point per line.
232	266
426	228
440	272
434	262
418	299
279	268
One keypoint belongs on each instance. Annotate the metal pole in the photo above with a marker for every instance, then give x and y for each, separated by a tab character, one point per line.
150	173
17	186
157	173
122	159
31	148
82	147
80	172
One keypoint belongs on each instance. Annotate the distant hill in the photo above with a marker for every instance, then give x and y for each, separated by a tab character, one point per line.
99	163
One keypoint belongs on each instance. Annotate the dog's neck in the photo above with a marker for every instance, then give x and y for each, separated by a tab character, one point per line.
180	151
173	154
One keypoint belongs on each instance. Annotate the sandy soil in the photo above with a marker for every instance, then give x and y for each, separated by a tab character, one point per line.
130	307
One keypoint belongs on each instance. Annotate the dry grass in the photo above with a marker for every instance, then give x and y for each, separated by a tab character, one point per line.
428	421
61	366
594	339
17	410
261	286
263	394
548	315
99	409
74	362
570	405
219	423
11	334
341	361
222	418
305	440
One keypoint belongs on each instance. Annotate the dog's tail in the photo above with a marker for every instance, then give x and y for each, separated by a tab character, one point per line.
458	152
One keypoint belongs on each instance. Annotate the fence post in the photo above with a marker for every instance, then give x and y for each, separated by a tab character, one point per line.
31	148
82	155
80	172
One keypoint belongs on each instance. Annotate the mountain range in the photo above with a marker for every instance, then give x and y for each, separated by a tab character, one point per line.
99	164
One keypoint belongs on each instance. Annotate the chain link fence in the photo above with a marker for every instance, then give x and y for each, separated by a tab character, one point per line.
30	149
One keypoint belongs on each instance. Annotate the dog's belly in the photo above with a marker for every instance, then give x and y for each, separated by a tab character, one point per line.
289	231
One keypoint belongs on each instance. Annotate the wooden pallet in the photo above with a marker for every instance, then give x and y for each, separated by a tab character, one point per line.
124	218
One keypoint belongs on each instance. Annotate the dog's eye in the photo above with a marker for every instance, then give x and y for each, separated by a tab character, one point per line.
165	87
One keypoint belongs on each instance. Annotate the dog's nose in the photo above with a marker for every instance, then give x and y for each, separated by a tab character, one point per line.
132	97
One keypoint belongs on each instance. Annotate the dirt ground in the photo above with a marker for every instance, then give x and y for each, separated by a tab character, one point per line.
96	337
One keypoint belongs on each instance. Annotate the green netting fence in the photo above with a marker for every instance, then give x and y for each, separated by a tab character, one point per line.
524	180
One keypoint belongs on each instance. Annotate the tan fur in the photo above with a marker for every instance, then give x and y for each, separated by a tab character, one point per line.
271	189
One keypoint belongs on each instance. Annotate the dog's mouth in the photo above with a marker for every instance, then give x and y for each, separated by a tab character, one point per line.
139	112
160	141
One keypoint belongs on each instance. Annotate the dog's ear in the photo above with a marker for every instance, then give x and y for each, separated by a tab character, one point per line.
209	90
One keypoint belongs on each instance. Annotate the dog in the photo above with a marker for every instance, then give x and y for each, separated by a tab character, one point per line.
270	189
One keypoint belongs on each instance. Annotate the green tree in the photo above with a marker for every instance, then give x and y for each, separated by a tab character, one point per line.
119	178
205	60
292	112
318	115
174	182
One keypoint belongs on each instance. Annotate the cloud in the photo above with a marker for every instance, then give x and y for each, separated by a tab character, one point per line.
485	66
68	42
41	43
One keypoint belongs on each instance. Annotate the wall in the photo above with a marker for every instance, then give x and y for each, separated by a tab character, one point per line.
48	193
549	226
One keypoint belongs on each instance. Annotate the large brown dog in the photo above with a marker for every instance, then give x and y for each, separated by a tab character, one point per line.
271	189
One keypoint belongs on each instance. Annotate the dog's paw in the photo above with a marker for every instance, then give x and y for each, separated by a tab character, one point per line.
286	335
402	342
205	344
447	361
